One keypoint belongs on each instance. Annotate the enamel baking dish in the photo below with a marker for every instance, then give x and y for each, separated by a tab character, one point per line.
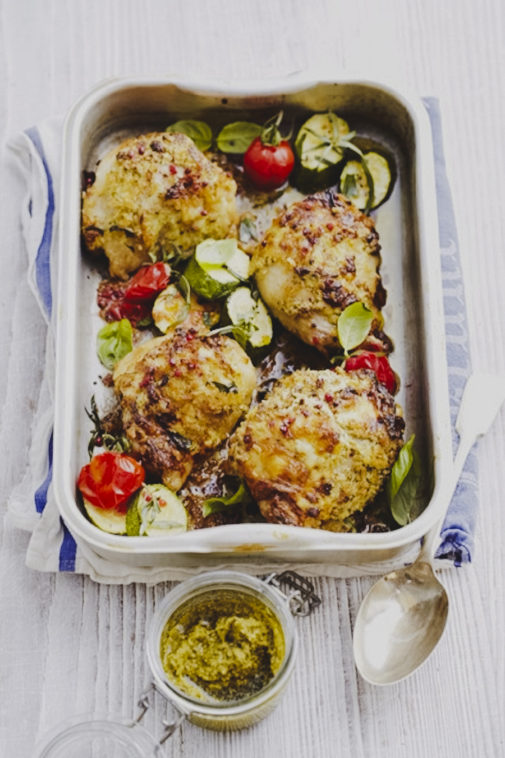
407	226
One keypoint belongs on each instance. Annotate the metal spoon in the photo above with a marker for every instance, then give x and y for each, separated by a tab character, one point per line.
404	614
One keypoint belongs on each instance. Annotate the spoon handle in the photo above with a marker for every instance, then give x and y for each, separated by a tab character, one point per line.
482	398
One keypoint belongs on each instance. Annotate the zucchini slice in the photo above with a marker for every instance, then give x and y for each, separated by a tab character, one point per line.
155	512
170	308
250	315
355	184
217	268
319	150
110	521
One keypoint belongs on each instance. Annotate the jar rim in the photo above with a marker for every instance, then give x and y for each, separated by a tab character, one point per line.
79	729
220	579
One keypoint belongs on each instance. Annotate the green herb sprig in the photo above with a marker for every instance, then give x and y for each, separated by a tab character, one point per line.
101	438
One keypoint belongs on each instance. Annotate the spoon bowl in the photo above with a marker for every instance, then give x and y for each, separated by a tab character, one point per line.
400	621
404	614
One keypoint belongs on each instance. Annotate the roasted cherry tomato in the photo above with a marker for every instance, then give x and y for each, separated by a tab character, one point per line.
109	480
113	305
148	282
379	364
268	166
269	159
134	312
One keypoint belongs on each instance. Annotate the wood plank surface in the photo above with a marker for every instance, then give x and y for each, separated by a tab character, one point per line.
68	645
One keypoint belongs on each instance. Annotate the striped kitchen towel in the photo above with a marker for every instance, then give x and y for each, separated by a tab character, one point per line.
31	504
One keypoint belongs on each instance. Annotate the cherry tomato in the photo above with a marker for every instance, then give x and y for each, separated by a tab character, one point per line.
109	480
268	166
379	364
148	282
114	306
134	312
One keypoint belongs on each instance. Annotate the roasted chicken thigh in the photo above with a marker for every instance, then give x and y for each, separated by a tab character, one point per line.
318	447
180	397
319	255
152	193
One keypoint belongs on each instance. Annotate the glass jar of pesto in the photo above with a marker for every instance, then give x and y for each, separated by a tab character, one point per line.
221	648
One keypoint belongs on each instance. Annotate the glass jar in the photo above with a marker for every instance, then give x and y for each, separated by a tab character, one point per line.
241	713
90	736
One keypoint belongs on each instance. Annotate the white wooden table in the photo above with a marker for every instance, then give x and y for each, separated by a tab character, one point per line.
68	645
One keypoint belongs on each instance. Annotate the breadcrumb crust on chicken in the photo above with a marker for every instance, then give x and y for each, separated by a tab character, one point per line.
318	447
152	193
181	395
319	255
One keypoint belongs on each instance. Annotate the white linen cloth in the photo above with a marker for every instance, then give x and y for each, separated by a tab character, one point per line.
31	505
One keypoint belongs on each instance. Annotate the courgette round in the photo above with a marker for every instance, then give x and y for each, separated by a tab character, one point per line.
248	313
319	150
170	308
105	519
217	268
355	182
154	512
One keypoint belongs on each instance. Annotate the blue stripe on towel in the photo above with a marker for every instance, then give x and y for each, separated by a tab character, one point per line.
459	526
67	551
68	546
43	277
41	492
42	261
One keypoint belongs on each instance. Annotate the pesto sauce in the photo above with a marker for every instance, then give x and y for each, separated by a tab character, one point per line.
222	645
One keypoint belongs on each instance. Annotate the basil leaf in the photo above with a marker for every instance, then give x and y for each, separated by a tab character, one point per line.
198	131
401	468
236	137
114	341
353	325
403	484
218	504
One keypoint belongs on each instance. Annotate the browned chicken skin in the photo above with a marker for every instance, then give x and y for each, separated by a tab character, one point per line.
180	396
319	255
318	447
154	192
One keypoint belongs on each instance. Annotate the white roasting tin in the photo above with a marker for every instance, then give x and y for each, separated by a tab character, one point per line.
414	319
